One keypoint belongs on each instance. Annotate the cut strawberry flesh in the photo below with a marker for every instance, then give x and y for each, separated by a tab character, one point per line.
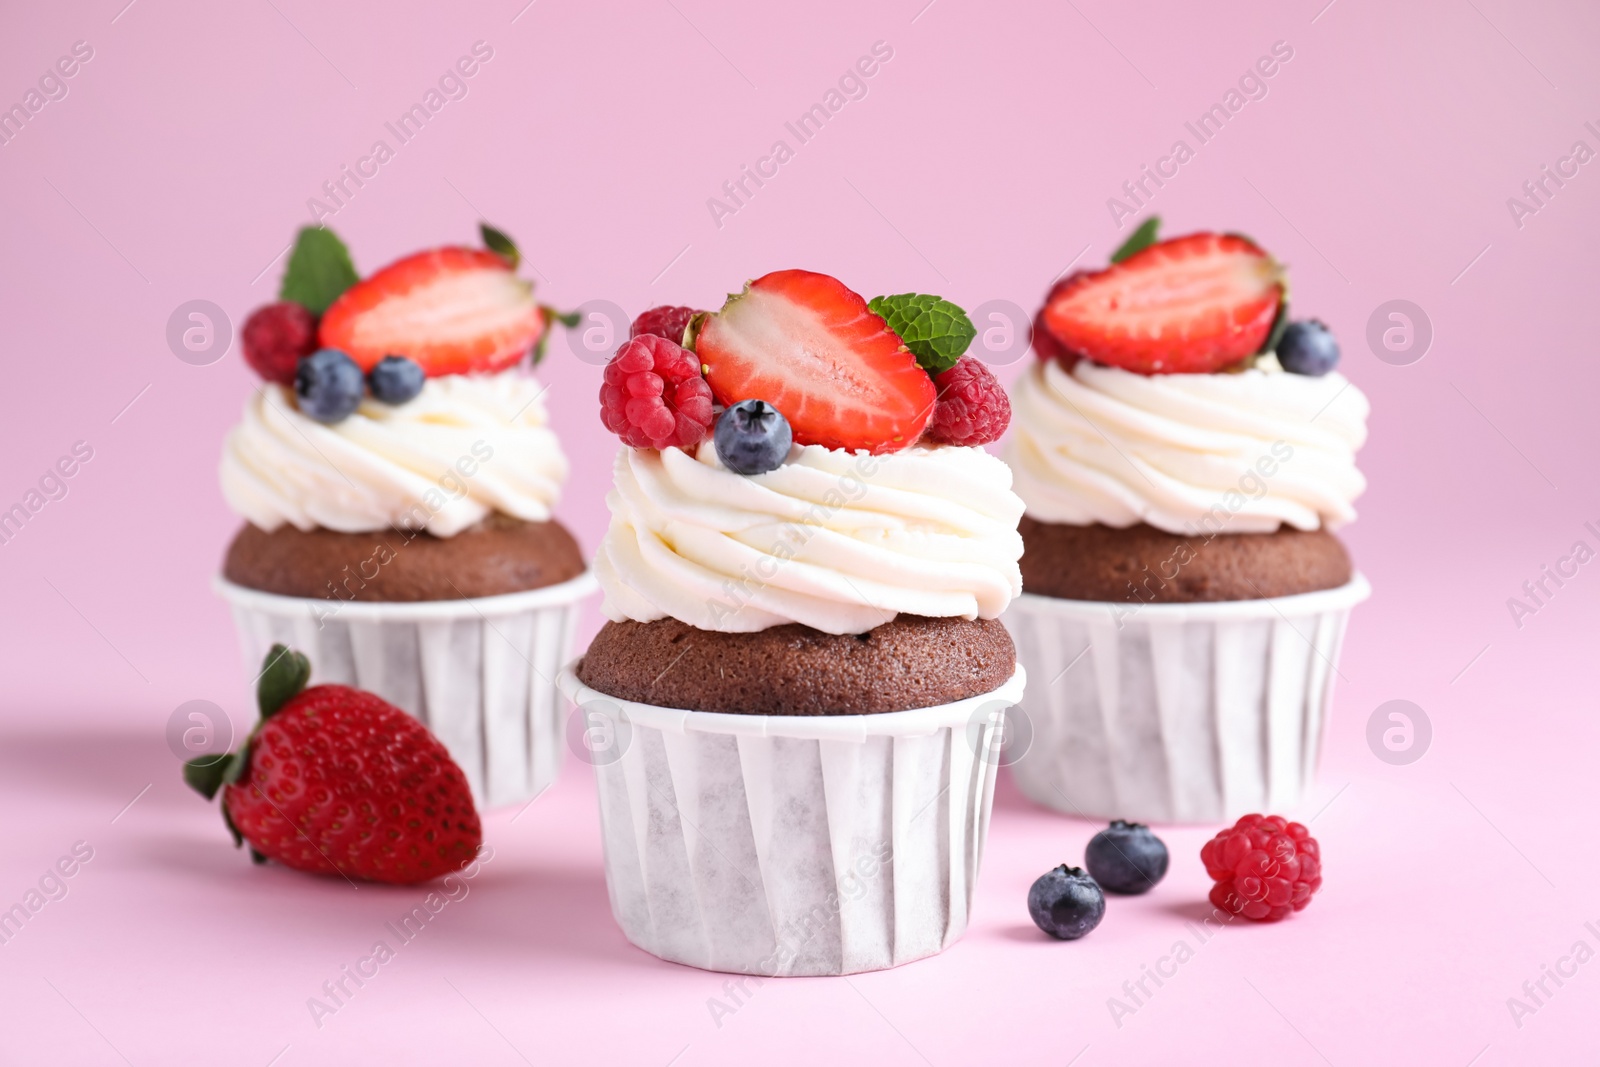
453	310
808	346
1193	304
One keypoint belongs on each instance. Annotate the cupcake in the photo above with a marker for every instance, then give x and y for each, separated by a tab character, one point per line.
396	473
803	673
1185	452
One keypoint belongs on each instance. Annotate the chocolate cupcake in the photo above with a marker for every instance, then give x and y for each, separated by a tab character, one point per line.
1185	452
803	671
396	485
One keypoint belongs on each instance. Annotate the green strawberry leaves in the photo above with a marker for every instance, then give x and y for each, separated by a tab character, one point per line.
496	241
936	331
319	270
1139	240
283	675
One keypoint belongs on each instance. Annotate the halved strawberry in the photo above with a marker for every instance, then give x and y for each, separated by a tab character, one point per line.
1189	305
809	347
453	310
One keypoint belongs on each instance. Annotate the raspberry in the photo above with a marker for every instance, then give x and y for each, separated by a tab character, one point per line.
1264	867
654	395
274	339
972	408
668	322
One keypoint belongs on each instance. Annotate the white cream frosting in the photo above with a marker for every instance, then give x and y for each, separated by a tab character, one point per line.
1235	453
839	541
467	445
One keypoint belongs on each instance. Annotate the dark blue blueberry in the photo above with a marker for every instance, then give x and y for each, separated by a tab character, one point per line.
395	379
329	385
1066	903
752	437
1308	347
1126	858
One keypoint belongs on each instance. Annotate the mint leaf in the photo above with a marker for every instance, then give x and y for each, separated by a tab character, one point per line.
936	331
319	270
1139	240
496	241
1280	323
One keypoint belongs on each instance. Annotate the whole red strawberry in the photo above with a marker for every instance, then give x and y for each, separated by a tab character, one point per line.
335	780
1265	867
275	337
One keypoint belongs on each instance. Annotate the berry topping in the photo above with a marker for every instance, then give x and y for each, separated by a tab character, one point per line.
452	310
1126	857
653	395
276	337
812	349
1264	867
337	781
936	331
664	321
1306	347
1066	903
752	437
395	379
1190	305
329	385
972	408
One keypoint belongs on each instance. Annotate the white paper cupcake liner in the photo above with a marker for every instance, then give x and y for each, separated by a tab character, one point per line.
1167	713
480	673
793	845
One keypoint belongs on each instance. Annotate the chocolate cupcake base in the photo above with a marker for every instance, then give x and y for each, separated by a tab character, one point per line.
910	662
1142	564
498	555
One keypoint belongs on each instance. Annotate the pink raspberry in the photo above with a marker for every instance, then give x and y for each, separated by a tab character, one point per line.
1264	867
668	322
274	339
654	395
972	408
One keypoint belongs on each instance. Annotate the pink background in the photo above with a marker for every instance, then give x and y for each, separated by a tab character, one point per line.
978	166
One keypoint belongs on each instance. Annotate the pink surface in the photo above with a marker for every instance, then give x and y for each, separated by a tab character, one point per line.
978	164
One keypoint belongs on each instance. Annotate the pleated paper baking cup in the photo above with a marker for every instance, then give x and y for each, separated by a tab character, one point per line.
1176	713
793	845
480	673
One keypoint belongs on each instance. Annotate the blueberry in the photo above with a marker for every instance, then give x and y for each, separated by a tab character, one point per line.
1066	903
329	385
1308	347
395	379
1126	857
752	437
